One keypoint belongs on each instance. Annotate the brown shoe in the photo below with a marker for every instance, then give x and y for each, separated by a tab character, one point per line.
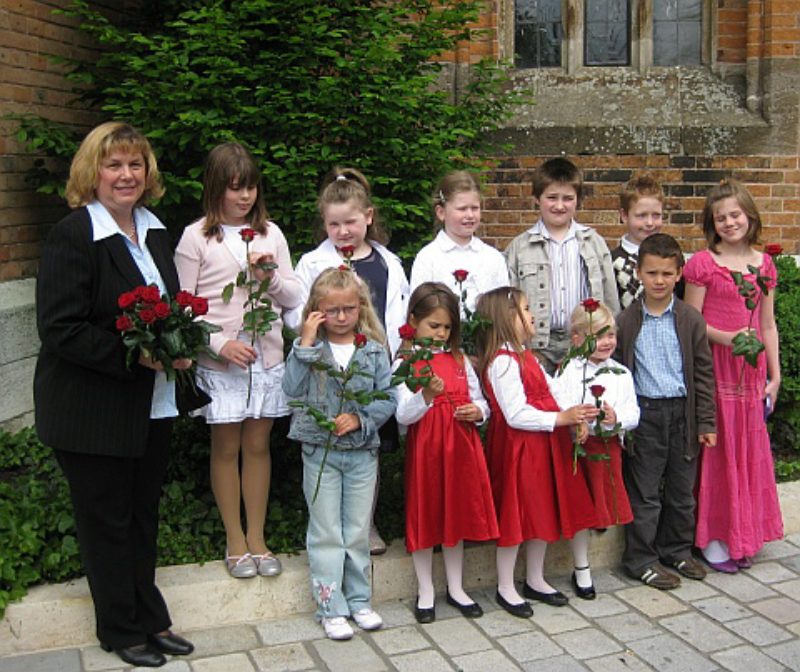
690	568
657	576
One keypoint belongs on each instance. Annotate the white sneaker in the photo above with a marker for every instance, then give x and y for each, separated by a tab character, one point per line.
337	627
366	619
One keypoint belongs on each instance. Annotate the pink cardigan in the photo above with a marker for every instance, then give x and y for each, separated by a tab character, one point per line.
205	266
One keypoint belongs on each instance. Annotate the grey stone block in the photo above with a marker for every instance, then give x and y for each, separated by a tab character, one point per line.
746	659
501	624
354	654
230	662
629	627
700	632
560	663
589	643
282	658
771	572
667	653
286	630
690	591
422	661
54	661
219	641
781	610
399	640
787	654
625	661
397	613
759	631
722	609
604	605
530	646
776	549
554	620
457	636
739	586
789	588
651	602
485	660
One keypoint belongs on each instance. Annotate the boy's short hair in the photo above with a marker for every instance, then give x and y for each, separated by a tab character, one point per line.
660	245
557	171
639	186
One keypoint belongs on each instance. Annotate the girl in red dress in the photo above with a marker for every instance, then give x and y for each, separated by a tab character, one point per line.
538	496
448	495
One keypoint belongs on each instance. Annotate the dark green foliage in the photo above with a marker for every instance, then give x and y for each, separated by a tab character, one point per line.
305	84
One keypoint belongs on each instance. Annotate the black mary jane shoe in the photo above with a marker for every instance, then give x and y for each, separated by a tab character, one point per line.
521	610
584	593
140	655
471	610
425	616
557	599
171	644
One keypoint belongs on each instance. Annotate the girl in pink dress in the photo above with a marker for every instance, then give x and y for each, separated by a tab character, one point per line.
737	499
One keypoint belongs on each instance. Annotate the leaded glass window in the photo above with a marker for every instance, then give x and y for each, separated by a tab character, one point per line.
537	33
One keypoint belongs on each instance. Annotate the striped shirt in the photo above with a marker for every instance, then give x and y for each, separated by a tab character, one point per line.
658	373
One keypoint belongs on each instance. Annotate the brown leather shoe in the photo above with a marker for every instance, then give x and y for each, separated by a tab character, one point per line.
690	568
657	576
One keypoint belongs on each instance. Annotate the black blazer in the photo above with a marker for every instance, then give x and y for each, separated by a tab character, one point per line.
87	400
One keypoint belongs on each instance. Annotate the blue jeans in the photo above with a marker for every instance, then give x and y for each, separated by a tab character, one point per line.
338	527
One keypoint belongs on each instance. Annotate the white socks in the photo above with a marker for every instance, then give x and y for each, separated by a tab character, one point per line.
580	558
423	566
506	560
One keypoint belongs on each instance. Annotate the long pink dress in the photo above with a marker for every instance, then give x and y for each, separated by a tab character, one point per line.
737	499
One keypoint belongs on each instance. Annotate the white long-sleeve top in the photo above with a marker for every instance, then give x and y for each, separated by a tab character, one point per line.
619	391
505	377
411	406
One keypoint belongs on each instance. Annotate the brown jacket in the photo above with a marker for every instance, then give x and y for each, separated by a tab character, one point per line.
698	369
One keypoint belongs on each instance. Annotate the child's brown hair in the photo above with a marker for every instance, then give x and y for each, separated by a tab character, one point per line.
429	296
557	171
342	185
730	188
501	307
639	186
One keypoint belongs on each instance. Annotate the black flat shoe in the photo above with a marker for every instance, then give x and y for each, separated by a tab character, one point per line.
471	610
172	644
521	610
584	593
557	599
140	655
425	616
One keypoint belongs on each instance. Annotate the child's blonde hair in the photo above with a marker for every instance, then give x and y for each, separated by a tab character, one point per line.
429	296
501	307
639	186
454	182
342	185
345	279
730	188
601	317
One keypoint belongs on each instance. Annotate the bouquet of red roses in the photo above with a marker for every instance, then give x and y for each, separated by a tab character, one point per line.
164	329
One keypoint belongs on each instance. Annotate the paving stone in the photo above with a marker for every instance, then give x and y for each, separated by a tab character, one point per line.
530	646
667	653
97	660
740	586
788	653
789	588
457	636
759	631
559	663
779	609
171	666
399	640
231	662
792	562
722	609
501	624
651	602
282	658
771	572
227	639
795	628
690	591
776	549
626	661
607	581
422	661
68	660
354	654
700	632
397	613
746	659
629	627
557	619
603	605
589	643
288	630
485	660
793	539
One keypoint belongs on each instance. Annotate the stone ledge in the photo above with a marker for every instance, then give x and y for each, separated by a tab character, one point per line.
204	596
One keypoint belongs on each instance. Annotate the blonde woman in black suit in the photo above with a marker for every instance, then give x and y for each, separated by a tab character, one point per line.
110	426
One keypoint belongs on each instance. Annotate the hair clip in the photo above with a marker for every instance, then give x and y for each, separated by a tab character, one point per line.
440	197
341	178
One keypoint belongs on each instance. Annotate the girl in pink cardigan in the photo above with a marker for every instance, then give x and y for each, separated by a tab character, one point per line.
210	255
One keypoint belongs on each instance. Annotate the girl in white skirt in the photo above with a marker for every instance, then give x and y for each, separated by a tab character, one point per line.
245	382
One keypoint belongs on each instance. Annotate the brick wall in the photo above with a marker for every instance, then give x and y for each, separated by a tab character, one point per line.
731	44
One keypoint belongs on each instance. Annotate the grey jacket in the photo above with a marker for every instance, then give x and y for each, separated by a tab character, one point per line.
529	268
302	381
698	365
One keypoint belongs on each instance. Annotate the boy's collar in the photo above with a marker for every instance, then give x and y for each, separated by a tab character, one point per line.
628	246
541	229
666	310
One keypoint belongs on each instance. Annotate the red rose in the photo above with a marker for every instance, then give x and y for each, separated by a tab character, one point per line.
343	267
407	332
199	305
126	300
162	310
147	315
360	340
347	251
597	390
460	275
139	291
151	294
124	323
247	234
773	249
184	299
590	305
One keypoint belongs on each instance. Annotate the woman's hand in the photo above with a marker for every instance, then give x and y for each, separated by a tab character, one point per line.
771	390
257	258
177	364
576	414
610	414
238	353
581	433
433	389
468	413
346	423
308	335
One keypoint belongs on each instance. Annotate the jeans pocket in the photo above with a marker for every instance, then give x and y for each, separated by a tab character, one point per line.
308	449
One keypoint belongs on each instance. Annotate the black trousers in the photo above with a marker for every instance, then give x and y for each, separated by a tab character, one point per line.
115	501
660	484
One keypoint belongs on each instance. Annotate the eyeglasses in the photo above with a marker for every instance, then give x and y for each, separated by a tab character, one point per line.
333	313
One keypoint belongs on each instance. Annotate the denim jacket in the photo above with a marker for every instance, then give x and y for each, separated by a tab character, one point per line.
301	381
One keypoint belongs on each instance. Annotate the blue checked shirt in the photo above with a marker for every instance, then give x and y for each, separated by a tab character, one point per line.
659	364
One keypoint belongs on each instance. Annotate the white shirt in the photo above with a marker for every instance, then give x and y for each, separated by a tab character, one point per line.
436	262
411	406
619	390
505	377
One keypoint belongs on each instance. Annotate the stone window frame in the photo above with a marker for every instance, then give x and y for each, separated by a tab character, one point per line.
572	51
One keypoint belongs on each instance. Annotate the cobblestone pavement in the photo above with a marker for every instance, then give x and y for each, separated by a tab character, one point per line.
748	622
